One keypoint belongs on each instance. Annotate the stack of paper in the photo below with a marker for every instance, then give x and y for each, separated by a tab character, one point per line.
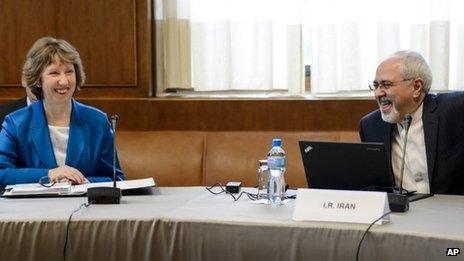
66	189
38	189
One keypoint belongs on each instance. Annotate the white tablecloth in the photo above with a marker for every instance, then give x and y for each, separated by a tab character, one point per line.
192	224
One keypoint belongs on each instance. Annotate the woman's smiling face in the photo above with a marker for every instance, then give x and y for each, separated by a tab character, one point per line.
58	82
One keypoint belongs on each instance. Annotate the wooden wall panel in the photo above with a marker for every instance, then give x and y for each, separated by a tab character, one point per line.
236	115
20	23
112	36
268	115
233	115
105	37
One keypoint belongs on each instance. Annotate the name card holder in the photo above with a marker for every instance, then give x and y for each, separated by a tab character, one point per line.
341	206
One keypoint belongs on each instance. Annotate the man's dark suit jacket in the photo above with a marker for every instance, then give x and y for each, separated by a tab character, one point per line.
443	121
10	107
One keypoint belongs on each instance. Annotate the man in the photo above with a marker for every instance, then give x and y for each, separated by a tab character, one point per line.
434	161
10	107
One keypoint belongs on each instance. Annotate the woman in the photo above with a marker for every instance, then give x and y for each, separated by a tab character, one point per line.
56	137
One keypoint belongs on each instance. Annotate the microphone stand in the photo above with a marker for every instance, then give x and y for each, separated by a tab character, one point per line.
397	200
107	195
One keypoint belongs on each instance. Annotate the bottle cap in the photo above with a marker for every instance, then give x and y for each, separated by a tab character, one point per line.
276	143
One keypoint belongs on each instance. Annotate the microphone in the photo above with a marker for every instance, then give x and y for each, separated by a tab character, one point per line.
398	201
407	121
107	195
114	119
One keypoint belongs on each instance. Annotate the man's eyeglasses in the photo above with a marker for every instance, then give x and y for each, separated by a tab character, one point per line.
386	84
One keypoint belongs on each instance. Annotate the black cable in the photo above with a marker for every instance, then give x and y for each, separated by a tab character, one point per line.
291	197
387	189
365	233
67	227
251	196
216	185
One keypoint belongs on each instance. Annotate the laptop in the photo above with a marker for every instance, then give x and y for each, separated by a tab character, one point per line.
350	166
347	166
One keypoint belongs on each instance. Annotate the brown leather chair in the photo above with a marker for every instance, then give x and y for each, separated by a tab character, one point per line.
195	158
172	158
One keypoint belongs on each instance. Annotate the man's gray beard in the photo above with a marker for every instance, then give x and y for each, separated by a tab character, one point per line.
392	117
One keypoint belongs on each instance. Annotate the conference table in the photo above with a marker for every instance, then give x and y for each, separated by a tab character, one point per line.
189	223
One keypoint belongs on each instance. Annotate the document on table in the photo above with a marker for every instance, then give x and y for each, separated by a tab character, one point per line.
66	189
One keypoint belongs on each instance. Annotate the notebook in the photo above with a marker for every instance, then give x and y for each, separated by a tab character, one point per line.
66	189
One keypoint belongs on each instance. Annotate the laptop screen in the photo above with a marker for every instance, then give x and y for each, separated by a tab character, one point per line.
347	166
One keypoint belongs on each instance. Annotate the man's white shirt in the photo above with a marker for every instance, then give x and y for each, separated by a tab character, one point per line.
415	167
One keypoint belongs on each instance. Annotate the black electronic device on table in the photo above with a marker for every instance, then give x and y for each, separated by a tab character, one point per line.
351	166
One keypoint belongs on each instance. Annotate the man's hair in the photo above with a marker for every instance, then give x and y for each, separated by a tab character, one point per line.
42	54
414	65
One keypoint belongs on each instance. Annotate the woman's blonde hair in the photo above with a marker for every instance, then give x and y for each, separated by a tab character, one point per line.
42	54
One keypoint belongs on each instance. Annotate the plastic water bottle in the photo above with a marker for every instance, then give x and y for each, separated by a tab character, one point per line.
263	179
276	165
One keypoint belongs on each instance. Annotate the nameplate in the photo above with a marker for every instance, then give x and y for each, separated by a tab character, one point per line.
341	206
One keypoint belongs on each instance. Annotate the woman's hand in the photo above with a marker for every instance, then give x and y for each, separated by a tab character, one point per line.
66	173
